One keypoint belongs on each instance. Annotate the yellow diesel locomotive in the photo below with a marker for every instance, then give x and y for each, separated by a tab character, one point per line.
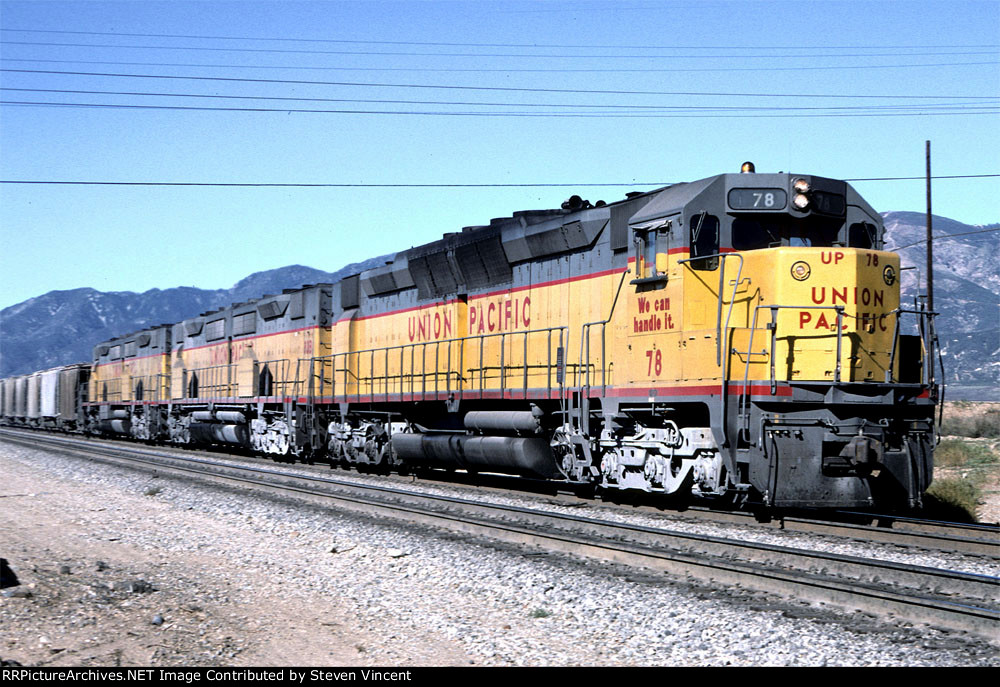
740	337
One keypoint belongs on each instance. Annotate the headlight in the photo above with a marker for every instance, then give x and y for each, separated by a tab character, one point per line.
801	186
800	201
800	271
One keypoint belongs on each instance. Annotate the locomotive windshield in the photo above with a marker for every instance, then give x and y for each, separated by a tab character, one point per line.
770	231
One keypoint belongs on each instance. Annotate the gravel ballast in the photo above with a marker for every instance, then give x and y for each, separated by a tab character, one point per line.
124	568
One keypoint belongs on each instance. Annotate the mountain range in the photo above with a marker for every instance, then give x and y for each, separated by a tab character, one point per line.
61	327
966	294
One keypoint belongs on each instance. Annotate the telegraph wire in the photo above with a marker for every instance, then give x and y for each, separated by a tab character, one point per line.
740	56
504	89
966	111
950	176
655	184
943	236
700	108
486	45
520	70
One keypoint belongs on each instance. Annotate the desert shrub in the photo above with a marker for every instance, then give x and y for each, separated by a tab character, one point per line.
974	420
988	424
954	498
957	453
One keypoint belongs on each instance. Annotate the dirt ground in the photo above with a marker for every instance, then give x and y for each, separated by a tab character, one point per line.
89	598
975	422
95	600
988	510
971	418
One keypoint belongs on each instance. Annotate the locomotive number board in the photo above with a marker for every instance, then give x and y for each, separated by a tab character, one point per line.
757	198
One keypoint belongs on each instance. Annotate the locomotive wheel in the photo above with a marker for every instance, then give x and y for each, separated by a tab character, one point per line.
307	456
681	499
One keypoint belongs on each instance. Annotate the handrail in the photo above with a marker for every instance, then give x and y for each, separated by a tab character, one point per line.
773	326
937	348
430	380
732	300
219	378
774	334
922	316
152	388
932	349
585	341
719	332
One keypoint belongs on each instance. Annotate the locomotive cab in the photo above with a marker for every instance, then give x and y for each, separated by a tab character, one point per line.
778	310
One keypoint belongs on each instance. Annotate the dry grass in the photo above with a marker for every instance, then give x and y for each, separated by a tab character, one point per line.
959	453
967	467
954	498
971	419
966	474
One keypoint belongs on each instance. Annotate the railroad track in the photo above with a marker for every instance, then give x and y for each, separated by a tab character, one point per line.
916	594
972	538
930	535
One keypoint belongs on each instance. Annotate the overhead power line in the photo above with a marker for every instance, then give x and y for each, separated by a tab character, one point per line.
627	184
944	236
548	56
521	70
921	178
481	45
503	89
966	110
680	108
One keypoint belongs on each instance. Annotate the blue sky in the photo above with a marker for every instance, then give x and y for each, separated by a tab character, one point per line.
698	88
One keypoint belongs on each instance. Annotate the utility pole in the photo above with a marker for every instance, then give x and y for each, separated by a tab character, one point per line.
930	244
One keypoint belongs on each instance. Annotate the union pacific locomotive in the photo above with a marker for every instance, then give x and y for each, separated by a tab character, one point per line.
740	337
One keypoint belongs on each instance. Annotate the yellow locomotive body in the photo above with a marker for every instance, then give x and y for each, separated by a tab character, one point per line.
259	366
717	347
237	372
129	380
499	344
496	341
738	337
675	335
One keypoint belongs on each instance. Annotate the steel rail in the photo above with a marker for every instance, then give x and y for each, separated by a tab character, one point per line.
957	601
979	539
968	538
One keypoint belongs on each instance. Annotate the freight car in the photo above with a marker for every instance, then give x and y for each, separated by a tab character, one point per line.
50	399
739	337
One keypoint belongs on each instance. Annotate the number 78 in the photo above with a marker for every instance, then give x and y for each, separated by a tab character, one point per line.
655	359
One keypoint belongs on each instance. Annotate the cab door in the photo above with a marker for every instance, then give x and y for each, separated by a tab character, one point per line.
654	306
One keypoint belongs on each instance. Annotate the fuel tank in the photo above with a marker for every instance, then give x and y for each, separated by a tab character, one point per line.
506	455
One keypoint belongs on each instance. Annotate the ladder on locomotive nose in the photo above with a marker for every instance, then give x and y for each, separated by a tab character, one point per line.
722	333
743	402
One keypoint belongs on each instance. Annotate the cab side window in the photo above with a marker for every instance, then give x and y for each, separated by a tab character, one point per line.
704	240
648	243
862	235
